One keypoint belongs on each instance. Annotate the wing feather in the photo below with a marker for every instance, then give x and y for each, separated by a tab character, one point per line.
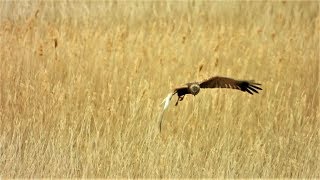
166	101
252	89
256	87
224	82
247	90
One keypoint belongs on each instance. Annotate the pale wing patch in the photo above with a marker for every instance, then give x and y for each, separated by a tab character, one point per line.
166	101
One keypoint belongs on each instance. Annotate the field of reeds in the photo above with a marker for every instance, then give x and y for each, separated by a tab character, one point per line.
81	86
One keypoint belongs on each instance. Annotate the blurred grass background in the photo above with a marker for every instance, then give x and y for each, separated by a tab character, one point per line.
81	85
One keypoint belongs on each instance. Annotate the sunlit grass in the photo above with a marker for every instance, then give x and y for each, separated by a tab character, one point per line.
81	86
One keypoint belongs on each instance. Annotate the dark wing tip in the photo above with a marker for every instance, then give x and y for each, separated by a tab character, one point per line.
252	89
254	83
247	90
250	86
256	87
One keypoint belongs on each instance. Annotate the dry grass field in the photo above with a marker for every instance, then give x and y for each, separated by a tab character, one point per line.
81	85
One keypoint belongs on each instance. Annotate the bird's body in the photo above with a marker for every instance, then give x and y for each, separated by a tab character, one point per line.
189	88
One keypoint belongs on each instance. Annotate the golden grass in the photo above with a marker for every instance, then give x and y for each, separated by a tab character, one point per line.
82	82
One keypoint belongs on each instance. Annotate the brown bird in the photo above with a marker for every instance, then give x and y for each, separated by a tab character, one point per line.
213	82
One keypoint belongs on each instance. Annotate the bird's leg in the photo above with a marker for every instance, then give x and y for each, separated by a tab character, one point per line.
177	101
180	98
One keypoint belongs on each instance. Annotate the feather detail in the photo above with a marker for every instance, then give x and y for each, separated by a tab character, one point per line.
166	101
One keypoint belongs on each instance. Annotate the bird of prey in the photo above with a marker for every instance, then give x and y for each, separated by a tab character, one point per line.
213	82
193	88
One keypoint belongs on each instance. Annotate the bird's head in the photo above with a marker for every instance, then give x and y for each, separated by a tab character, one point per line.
194	88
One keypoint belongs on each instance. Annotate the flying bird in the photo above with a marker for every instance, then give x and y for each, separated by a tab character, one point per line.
193	88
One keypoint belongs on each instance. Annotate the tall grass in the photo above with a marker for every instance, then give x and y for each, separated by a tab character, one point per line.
81	85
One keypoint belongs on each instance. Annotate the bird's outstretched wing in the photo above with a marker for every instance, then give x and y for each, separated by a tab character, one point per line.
166	101
224	82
